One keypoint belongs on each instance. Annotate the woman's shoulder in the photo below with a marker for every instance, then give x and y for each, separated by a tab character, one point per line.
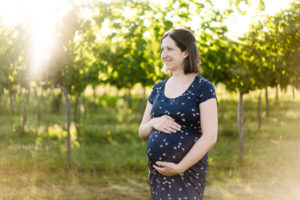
159	84
205	89
155	92
203	82
204	86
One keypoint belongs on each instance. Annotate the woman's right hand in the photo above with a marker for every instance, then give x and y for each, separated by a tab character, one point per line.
165	124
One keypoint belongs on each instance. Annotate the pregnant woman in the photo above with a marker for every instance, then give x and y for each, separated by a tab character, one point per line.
180	122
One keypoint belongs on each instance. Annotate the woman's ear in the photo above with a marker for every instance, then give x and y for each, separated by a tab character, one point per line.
185	53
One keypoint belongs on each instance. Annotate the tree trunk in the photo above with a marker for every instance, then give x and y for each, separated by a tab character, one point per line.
38	98
11	102
65	117
76	113
277	95
129	98
95	107
294	95
26	102
67	109
259	112
267	102
241	126
84	105
94	94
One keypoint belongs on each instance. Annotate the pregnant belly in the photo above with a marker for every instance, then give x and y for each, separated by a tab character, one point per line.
170	147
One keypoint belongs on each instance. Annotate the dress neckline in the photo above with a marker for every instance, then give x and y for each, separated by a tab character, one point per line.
172	98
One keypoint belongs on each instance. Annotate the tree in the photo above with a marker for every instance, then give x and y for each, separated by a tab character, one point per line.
11	59
61	70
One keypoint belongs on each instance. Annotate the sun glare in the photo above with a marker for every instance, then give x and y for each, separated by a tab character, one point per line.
42	15
40	18
42	29
239	24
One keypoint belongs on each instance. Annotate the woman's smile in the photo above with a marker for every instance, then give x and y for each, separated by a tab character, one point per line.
171	55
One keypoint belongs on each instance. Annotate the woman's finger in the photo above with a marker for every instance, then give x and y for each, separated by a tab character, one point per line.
173	121
169	118
165	130
160	169
176	126
170	130
172	125
162	164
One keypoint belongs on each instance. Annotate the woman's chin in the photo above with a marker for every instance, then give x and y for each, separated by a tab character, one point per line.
168	67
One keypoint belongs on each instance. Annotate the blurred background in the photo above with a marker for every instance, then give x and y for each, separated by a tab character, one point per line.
75	76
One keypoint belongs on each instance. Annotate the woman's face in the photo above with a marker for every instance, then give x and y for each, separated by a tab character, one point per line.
172	56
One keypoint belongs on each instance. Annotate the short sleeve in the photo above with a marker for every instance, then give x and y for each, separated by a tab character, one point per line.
152	95
207	91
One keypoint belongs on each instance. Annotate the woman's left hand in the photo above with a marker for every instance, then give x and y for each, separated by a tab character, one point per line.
167	168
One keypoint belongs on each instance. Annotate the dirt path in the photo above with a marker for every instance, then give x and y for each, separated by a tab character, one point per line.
286	190
277	176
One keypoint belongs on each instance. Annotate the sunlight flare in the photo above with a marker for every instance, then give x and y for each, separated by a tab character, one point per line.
39	18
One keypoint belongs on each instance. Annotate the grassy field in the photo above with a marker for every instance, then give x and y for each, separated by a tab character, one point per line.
109	160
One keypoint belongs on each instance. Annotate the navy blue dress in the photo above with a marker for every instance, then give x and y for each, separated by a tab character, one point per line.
173	147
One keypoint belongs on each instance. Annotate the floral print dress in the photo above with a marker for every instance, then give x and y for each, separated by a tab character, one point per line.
173	147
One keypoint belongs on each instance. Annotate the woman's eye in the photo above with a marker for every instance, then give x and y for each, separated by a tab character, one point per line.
168	49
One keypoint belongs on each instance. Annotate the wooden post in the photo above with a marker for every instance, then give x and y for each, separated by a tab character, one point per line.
241	125
259	112
67	108
26	102
267	101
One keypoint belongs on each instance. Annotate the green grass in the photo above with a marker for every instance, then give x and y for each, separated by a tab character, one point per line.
109	160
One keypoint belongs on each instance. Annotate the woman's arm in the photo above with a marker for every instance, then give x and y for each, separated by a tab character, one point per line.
163	123
146	124
209	126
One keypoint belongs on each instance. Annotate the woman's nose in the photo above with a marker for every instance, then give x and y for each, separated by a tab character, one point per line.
163	55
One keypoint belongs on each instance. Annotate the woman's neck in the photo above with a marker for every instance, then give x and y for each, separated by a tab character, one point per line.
178	74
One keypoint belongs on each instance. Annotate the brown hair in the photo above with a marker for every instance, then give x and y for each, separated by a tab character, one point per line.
185	40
